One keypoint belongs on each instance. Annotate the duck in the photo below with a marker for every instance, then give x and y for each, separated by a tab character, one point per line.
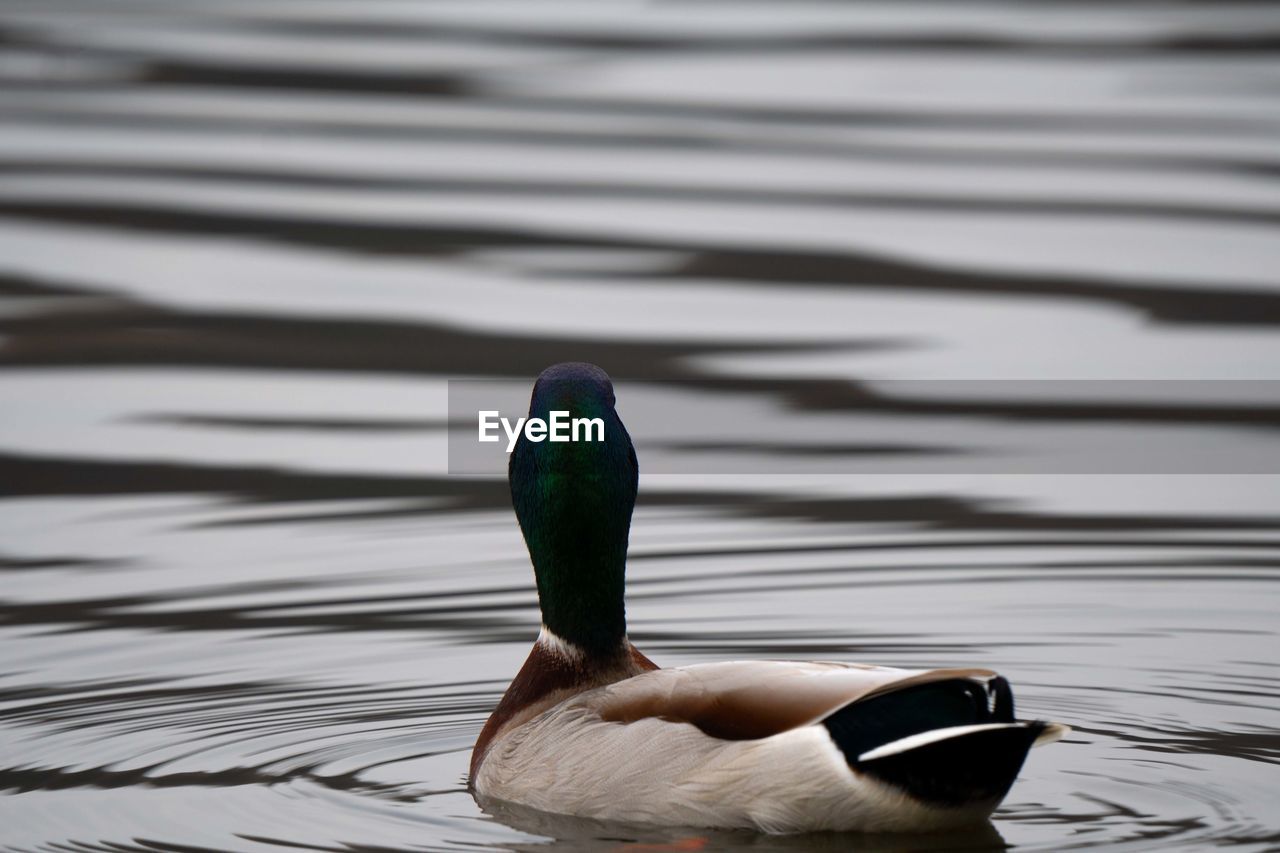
591	727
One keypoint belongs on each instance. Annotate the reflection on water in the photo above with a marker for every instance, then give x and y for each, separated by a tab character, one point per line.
244	245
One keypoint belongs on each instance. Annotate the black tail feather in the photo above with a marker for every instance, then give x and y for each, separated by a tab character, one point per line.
966	768
975	767
862	726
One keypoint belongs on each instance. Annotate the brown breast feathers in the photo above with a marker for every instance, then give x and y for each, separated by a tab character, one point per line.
548	678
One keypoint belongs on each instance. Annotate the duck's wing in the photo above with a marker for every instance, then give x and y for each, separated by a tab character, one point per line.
746	700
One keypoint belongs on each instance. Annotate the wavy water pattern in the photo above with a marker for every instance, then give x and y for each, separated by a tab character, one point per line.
244	246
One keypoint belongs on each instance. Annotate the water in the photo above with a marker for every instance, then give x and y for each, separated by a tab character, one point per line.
244	245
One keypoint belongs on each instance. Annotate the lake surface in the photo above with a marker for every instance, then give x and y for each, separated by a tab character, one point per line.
244	246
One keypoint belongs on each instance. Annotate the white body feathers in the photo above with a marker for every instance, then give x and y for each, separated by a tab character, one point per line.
570	759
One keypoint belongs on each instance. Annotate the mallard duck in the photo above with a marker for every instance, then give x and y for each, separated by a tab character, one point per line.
591	727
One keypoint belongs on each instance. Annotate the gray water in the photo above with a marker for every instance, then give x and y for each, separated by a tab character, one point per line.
245	245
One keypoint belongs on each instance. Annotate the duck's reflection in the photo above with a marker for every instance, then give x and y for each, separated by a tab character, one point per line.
586	834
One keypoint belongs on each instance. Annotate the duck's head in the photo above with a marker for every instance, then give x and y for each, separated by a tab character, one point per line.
574	501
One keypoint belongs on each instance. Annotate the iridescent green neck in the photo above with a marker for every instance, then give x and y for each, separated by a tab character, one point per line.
574	502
